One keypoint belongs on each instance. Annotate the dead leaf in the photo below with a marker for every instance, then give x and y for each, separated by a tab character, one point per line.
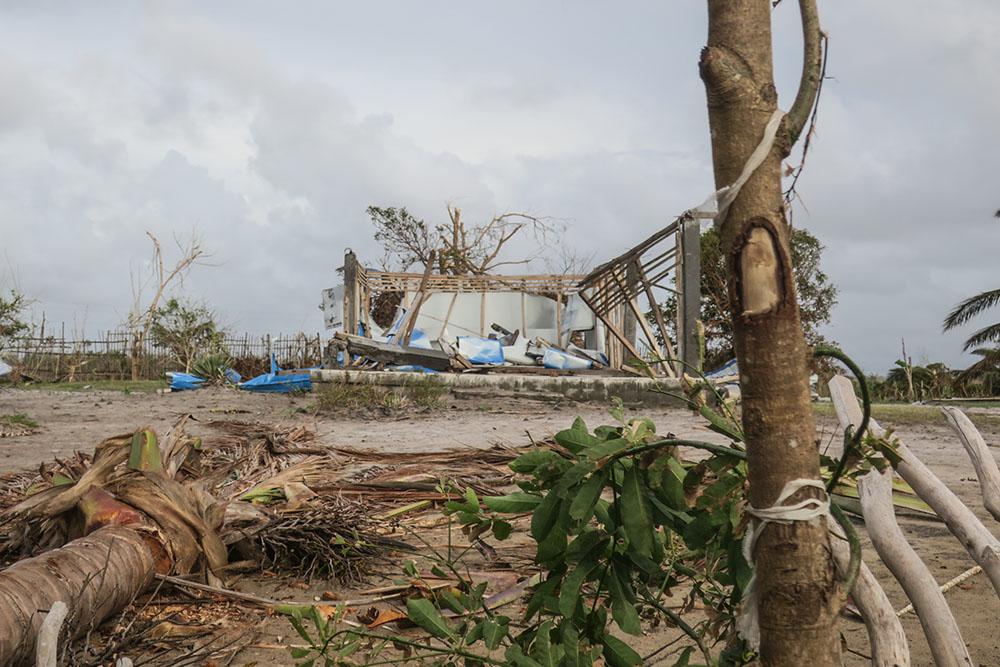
386	616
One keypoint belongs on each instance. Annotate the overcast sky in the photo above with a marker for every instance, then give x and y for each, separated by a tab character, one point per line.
269	127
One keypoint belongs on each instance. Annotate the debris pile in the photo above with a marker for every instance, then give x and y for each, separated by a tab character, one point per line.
247	496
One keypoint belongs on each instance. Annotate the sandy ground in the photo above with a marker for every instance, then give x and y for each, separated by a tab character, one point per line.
78	420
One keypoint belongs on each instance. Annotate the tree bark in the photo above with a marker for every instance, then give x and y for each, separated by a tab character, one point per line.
940	628
96	576
798	596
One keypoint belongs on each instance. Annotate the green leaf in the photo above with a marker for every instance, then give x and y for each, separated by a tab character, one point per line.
542	649
608	432
672	484
606	449
721	424
299	653
493	633
582	544
574	475
713	495
545	516
569	593
622	609
685	657
514	503
527	463
582	506
501	529
570	639
543	592
515	656
635	513
301	629
422	612
618	654
552	548
471	500
576	438
699	532
62	480
475	634
617	409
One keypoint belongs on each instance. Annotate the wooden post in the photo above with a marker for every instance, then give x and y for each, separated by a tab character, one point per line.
689	296
614	331
657	313
482	315
411	315
350	292
559	319
447	315
630	318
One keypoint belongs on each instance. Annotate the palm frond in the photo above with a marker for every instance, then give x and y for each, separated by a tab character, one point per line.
988	353
971	307
990	363
990	334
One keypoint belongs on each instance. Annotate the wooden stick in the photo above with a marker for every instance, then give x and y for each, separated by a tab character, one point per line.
667	347
447	315
411	316
982	459
885	632
613	329
47	646
947	586
963	524
641	319
482	314
940	628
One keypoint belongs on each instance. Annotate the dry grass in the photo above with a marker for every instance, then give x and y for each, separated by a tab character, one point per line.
894	414
339	396
18	420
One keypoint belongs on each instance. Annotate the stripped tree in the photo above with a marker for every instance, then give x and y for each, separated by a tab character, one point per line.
795	574
143	315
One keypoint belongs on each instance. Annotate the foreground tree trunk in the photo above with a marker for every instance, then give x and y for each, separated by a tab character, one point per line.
798	597
95	576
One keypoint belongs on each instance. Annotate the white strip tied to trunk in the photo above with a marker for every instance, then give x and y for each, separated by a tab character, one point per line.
809	509
716	204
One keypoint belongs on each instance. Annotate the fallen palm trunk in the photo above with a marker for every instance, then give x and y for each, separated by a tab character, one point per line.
96	576
940	628
982	459
885	632
963	524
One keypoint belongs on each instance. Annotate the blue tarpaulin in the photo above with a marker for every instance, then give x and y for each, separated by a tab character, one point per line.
184	381
481	350
281	384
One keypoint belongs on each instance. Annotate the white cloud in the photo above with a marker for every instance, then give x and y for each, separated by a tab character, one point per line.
270	131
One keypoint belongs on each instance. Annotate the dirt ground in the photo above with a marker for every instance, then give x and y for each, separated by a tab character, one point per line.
78	420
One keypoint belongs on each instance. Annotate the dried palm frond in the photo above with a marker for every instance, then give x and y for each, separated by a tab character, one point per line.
328	537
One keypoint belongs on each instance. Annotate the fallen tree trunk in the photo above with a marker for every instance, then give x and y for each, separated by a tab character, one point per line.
885	632
96	576
940	628
963	524
982	459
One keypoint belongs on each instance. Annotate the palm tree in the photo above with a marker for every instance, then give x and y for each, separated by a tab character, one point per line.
986	371
968	309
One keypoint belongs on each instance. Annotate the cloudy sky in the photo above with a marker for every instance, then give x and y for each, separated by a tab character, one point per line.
269	127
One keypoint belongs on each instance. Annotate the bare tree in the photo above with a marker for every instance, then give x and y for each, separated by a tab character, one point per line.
460	249
799	598
143	313
477	249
